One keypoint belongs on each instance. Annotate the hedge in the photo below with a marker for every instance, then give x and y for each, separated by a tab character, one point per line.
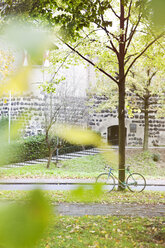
31	148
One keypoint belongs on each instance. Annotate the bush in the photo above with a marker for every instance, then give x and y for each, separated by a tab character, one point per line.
23	150
156	157
31	148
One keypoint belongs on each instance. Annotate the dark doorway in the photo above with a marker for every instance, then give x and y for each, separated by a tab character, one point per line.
113	135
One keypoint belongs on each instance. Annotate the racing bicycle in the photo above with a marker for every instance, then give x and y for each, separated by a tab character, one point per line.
135	182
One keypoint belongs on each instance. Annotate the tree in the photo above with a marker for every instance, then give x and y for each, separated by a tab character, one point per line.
129	15
146	82
61	108
51	142
74	17
145	87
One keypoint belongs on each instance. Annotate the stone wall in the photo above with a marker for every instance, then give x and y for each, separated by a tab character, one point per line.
39	109
101	121
30	106
74	110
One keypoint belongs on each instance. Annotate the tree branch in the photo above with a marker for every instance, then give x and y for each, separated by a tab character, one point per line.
152	103
155	37
114	49
127	18
137	94
86	35
150	44
104	28
114	12
114	36
133	30
128	57
151	77
89	61
111	48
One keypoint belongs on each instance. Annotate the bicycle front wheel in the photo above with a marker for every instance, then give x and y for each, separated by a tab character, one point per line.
107	180
136	182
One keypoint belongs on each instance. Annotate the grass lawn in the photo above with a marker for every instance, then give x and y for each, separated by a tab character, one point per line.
96	231
85	167
101	231
105	232
146	197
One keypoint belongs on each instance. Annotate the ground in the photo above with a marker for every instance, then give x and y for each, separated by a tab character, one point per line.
94	219
91	167
105	232
161	151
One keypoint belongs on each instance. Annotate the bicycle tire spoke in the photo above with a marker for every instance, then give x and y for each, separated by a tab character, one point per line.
107	181
136	182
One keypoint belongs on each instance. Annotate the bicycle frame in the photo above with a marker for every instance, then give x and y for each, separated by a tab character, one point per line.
122	184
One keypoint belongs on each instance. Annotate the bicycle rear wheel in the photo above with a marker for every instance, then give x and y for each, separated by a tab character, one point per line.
136	182
107	180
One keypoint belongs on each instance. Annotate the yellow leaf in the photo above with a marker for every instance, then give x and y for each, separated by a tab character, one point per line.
80	136
109	155
17	83
96	244
77	135
110	221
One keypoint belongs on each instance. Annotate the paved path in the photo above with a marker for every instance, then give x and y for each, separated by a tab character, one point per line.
114	209
125	209
65	181
58	186
119	209
63	184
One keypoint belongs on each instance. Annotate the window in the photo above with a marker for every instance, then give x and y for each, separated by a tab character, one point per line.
132	128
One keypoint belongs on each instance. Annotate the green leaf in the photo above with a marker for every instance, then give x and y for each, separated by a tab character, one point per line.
158	7
27	37
87	195
23	224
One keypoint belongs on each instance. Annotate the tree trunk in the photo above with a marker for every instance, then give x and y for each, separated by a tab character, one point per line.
121	110
49	159
121	116
146	125
49	148
50	156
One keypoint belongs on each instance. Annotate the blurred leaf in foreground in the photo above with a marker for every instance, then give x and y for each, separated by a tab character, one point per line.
8	151
14	79
6	63
15	128
87	195
19	37
109	155
3	130
158	8
23	224
18	82
28	37
78	135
